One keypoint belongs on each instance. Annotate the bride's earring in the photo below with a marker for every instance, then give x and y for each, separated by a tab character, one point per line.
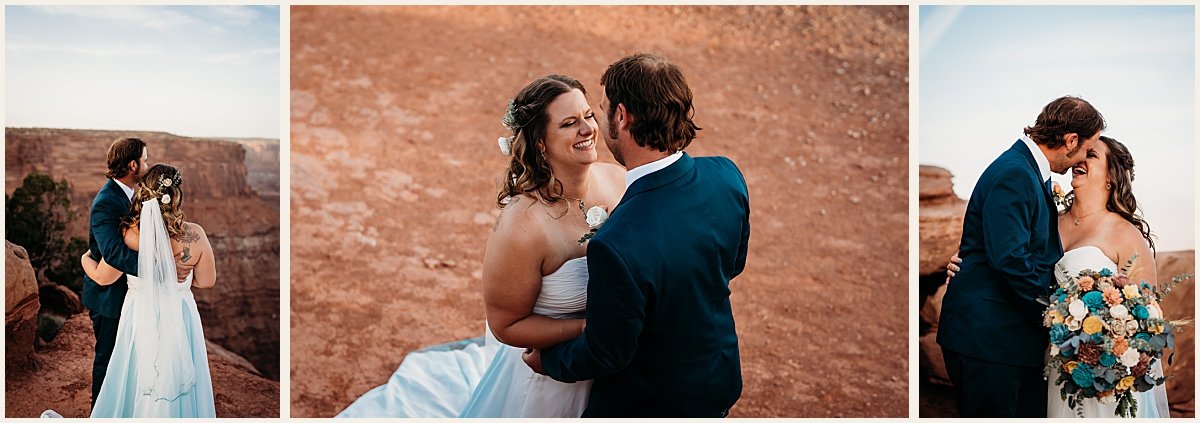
1108	186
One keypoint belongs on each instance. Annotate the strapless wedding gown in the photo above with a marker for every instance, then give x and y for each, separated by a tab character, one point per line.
119	396
488	380
1151	404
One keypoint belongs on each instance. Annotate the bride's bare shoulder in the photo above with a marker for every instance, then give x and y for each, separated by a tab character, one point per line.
611	173
521	219
192	233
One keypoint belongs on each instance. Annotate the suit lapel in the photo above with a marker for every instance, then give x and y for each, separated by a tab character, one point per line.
114	189
658	179
1021	148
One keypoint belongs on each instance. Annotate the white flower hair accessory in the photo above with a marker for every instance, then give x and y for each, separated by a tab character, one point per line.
505	146
166	199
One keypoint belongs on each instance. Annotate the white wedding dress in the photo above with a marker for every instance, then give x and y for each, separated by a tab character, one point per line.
1151	404
489	380
159	364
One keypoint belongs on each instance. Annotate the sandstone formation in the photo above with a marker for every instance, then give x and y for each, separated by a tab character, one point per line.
940	229
1181	304
242	312
941	216
20	308
62	381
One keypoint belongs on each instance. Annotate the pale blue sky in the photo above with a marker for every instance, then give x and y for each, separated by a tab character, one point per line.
189	70
986	72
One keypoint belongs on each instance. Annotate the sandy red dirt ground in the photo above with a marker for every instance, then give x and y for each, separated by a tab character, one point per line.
395	113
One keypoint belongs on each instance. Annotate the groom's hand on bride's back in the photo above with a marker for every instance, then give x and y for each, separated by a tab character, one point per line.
182	269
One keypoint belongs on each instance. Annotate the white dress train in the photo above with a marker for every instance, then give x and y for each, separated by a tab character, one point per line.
489	380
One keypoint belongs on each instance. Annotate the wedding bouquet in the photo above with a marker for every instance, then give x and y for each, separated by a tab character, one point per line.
1107	334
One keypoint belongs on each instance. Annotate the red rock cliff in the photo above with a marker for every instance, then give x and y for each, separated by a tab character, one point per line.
242	312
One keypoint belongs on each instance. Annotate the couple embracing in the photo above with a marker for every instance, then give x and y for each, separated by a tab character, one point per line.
1020	256
606	288
143	259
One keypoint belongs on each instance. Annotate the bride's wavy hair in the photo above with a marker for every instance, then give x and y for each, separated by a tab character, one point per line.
1120	199
529	172
160	181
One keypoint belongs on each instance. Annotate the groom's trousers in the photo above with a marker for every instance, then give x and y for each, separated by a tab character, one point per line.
988	389
105	329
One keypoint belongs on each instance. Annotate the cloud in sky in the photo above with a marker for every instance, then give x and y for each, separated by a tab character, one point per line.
189	70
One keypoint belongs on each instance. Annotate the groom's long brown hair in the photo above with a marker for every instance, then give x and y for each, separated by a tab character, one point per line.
1065	115
656	94
120	153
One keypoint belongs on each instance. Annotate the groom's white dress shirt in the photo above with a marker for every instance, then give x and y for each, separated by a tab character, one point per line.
648	168
128	190
1039	157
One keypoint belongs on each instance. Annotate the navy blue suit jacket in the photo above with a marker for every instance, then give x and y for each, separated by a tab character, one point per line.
660	339
1010	244
106	242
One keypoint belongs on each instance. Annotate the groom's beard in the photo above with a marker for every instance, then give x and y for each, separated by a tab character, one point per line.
610	139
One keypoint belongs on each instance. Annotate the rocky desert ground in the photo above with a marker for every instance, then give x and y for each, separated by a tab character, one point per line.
394	120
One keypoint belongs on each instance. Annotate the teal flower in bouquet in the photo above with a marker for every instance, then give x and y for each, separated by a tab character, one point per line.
1094	300
1083	375
1059	333
1105	272
1141	312
1107	359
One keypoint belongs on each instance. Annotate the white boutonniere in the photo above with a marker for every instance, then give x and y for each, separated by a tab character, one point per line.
595	217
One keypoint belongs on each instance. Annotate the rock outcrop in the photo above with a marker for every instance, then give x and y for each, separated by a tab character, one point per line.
62	381
20	308
242	312
1181	304
941	213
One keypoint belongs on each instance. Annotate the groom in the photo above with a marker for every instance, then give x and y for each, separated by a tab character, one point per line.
660	339
126	165
990	330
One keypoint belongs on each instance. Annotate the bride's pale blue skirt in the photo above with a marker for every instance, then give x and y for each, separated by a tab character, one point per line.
473	378
118	394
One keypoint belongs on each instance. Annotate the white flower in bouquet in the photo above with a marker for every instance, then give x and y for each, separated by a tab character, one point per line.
1073	324
1155	312
1054	350
1119	312
596	217
1108	399
1156	372
1118	329
1130	357
1131	325
1078	309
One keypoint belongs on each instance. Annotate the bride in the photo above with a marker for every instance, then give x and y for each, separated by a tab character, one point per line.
1100	228
534	272
159	365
